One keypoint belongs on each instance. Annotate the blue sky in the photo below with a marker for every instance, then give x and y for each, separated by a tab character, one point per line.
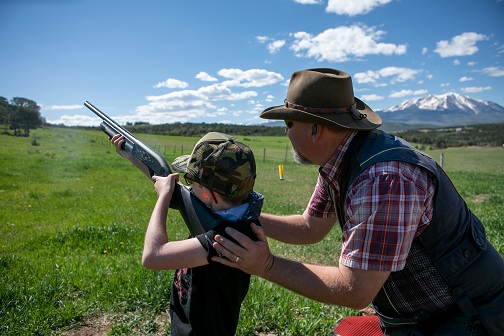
163	61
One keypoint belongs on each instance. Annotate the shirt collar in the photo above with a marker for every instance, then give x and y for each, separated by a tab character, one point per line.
332	168
246	211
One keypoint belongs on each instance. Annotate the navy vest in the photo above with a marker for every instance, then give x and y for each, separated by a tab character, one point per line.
454	242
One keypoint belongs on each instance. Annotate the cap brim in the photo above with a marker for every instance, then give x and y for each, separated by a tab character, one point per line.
346	120
180	163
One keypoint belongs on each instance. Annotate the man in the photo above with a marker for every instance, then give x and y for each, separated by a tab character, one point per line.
410	245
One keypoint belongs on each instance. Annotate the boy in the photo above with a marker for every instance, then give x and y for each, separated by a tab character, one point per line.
206	296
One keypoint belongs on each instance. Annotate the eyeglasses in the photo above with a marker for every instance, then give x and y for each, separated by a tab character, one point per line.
190	181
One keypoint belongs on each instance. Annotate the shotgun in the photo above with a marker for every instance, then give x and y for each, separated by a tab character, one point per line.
196	215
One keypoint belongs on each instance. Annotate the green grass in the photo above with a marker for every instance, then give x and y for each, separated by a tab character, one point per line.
74	214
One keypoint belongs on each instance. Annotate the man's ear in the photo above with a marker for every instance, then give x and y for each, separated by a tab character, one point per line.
314	129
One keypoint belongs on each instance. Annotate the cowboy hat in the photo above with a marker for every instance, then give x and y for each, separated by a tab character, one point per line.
324	97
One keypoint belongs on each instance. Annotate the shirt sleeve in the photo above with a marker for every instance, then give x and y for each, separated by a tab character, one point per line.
321	203
384	209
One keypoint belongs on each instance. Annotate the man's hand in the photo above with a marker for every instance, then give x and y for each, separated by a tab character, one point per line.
253	257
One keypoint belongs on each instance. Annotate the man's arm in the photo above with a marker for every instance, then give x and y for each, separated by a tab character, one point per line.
341	285
296	229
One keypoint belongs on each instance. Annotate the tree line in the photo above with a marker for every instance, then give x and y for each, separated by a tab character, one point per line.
21	115
435	138
200	129
474	135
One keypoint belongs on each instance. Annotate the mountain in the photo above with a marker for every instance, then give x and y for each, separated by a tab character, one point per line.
447	110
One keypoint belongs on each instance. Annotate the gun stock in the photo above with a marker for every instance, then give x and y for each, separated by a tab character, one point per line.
197	216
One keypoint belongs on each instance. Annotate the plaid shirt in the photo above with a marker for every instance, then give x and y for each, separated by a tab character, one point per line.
386	206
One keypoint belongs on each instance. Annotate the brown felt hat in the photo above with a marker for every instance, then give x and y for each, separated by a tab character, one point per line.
324	97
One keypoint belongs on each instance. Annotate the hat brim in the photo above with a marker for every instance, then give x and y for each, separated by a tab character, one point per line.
346	120
180	163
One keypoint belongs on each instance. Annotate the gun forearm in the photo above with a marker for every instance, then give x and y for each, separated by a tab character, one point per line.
140	165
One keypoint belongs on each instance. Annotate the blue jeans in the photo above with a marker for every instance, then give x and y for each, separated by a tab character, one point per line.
454	326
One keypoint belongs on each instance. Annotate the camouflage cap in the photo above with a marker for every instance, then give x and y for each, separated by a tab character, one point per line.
220	163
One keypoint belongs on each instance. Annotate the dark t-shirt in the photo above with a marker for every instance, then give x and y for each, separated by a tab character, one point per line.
206	300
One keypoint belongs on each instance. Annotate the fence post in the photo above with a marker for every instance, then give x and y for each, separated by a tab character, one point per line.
441	159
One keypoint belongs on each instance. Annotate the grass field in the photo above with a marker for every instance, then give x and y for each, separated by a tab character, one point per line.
73	216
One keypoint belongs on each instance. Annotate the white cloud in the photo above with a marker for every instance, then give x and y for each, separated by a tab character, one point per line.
249	78
493	71
187	105
475	89
396	74
366	77
274	46
76	120
407	93
205	77
353	7
62	107
456	62
343	43
460	45
262	39
371	97
465	79
172	84
269	98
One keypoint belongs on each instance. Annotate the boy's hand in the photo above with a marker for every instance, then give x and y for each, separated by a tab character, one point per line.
165	186
118	140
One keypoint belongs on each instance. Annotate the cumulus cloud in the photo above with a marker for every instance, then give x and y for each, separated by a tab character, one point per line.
465	79
172	84
351	8
493	71
249	78
76	120
262	39
343	43
62	107
407	93
371	97
460	45
395	74
475	89
206	77
274	46
187	105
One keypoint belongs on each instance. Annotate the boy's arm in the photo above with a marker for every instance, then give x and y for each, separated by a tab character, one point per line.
117	140
159	253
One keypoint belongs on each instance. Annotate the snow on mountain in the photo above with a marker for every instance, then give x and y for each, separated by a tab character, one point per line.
449	109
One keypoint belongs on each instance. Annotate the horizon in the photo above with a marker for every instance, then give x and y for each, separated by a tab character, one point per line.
165	62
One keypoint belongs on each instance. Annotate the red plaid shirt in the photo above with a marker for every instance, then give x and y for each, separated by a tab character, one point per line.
387	206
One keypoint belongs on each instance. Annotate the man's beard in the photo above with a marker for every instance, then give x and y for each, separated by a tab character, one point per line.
300	158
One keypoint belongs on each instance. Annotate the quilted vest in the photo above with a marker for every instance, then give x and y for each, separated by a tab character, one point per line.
454	241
